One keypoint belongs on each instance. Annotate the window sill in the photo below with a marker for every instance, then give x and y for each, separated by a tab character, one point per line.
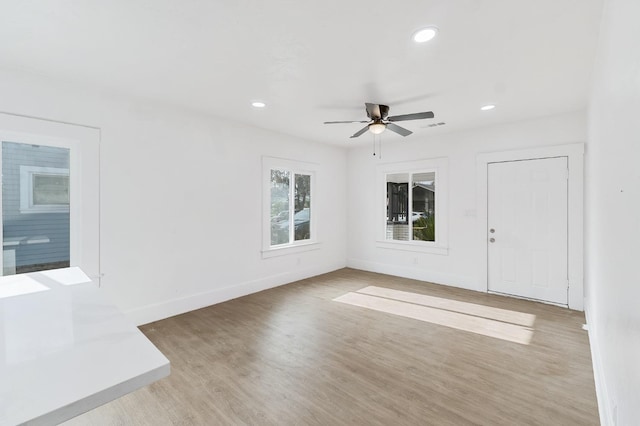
414	246
30	210
293	249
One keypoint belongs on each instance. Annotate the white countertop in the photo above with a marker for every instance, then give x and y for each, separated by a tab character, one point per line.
65	350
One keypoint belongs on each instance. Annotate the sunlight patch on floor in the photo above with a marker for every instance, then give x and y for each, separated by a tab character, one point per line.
474	309
492	322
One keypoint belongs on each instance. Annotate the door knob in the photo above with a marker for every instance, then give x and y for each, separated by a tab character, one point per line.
492	240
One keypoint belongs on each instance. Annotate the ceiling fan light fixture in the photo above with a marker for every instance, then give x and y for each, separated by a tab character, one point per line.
377	128
425	34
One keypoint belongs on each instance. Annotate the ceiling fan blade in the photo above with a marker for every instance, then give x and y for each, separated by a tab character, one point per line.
359	132
399	130
373	111
339	122
415	116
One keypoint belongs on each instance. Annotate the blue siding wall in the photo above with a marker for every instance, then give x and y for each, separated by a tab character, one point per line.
17	224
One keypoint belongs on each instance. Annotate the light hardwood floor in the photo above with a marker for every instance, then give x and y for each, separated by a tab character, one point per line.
294	356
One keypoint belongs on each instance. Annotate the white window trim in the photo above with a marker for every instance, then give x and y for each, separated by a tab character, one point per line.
295	167
26	190
441	168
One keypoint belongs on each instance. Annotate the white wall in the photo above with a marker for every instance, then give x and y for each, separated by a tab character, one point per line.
613	215
462	266
181	198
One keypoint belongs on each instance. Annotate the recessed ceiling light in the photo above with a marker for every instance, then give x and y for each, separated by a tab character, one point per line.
425	34
258	104
487	107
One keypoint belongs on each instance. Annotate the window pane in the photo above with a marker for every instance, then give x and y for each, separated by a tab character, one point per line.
279	207
50	189
35	207
423	194
302	216
398	206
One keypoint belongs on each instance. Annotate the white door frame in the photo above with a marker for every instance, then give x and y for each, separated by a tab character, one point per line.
575	158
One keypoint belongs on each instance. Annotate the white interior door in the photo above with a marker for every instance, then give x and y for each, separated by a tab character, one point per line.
527	228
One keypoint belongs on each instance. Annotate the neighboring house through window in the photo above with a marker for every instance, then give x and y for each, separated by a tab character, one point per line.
35	207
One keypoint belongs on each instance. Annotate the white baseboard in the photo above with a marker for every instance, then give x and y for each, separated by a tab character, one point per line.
169	308
421	274
606	414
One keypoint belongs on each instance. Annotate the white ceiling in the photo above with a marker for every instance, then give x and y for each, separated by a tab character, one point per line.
317	61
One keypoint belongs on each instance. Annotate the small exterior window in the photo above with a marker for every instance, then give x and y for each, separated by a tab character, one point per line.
44	190
289	209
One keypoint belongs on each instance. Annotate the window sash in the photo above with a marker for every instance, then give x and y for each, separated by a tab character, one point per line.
28	196
439	165
294	246
291	207
400	204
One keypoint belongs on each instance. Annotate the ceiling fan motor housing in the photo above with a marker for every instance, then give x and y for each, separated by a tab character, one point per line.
377	111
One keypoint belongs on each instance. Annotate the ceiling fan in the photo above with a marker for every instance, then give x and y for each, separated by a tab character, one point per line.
379	120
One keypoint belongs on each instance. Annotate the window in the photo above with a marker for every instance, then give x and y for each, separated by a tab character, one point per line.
413	202
45	189
411	213
289	205
50	196
35	207
290	221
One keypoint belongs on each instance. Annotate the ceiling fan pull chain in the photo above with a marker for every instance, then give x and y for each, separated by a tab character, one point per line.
380	147
374	145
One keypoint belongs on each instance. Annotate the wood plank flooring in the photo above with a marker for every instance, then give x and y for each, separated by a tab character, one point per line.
293	356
